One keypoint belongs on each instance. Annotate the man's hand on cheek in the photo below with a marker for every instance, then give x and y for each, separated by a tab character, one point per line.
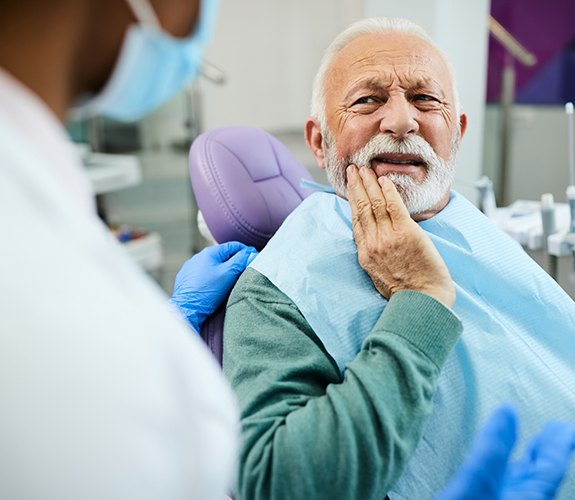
393	250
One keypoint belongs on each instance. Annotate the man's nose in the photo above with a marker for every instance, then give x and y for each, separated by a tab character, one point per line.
398	118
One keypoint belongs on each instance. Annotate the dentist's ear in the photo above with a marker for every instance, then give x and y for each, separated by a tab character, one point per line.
314	140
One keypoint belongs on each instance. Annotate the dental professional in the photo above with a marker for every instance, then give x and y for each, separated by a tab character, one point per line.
104	393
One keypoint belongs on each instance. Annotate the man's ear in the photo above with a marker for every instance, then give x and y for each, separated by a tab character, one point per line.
462	126
314	140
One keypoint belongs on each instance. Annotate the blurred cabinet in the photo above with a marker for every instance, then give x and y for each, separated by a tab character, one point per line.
111	172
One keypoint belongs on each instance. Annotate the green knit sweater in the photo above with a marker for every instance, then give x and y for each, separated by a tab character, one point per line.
308	433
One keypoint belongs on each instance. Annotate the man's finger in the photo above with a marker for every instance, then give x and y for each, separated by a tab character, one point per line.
373	189
394	204
359	201
358	232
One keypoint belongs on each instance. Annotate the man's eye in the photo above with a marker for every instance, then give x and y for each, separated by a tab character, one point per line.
364	100
423	97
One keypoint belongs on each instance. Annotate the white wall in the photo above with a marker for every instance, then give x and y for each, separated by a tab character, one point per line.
539	150
459	27
270	50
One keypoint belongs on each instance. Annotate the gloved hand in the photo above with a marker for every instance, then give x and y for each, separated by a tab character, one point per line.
538	474
206	279
486	475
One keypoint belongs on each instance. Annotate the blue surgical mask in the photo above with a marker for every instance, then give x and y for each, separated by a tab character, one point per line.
153	66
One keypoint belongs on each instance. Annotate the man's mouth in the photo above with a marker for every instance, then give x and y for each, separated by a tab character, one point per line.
404	164
398	159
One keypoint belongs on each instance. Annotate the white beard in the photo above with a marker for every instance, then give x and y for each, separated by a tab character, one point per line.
418	198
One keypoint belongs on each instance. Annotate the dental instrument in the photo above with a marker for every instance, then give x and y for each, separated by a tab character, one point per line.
563	243
549	228
488	203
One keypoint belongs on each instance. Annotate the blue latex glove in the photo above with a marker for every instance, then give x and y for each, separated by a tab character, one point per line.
538	474
205	281
486	474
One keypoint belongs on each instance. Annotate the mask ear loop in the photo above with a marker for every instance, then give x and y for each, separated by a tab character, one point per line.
144	13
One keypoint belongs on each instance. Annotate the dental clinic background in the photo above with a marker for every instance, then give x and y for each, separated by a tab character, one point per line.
261	67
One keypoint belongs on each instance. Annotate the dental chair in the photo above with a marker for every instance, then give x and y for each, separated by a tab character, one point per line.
246	183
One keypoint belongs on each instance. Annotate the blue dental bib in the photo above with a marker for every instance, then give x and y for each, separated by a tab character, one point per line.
518	343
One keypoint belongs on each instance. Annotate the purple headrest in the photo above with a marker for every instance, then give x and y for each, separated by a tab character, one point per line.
246	183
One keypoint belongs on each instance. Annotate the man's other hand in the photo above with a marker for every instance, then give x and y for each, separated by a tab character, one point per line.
393	250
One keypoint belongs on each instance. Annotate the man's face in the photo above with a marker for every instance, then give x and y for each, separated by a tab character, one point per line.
390	104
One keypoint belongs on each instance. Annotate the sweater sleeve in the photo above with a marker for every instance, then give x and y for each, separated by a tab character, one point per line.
308	433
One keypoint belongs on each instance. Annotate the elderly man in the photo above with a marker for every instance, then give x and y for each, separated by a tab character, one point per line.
334	395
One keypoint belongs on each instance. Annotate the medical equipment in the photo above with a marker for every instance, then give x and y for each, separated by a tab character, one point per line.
528	221
205	230
522	221
531	222
569	111
571	187
563	243
246	182
549	228
488	204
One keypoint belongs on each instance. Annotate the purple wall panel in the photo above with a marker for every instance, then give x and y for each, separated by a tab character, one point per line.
545	28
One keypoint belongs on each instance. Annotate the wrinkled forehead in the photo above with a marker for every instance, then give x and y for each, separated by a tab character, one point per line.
391	58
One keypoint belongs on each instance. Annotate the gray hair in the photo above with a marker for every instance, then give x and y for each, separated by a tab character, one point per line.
364	27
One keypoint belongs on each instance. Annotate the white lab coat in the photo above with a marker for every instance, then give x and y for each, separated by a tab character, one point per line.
103	394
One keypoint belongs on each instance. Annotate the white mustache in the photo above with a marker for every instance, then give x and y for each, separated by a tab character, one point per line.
383	144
